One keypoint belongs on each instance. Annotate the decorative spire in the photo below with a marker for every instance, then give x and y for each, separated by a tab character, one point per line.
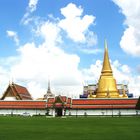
49	88
49	93
106	69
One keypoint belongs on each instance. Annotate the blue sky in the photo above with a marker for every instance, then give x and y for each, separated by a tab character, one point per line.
64	40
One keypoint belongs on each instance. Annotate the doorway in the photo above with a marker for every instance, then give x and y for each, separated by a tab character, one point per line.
58	112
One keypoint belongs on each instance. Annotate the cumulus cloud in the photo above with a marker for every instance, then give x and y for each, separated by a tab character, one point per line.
5	77
76	25
91	74
32	5
13	35
90	50
36	63
130	42
50	32
29	10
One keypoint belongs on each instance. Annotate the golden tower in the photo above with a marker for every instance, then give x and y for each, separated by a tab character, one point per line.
107	87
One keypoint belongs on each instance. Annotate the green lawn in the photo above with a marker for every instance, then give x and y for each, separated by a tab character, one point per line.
90	128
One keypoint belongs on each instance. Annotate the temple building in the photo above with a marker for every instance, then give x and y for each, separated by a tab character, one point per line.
106	98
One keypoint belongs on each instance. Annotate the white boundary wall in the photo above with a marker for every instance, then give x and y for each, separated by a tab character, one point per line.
72	112
102	112
30	112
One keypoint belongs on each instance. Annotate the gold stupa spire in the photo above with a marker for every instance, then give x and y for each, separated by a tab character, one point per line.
106	69
107	87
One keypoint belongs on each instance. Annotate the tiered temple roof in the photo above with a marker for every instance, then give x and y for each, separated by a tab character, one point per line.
17	92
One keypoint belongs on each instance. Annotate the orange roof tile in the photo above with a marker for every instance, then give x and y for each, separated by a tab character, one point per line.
51	100
22	91
104	107
103	101
23	104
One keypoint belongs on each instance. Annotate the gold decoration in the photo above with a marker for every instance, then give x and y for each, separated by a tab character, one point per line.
107	87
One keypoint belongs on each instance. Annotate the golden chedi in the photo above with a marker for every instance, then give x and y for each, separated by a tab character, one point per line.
107	87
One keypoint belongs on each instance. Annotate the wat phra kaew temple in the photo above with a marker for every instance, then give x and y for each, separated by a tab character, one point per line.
106	98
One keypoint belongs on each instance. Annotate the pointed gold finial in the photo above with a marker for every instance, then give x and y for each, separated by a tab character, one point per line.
106	69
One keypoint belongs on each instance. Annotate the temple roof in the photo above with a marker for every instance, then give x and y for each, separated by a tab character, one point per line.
104	103
23	104
59	101
17	91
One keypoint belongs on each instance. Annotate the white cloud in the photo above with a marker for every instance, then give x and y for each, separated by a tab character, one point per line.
29	10
91	74
71	11
32	5
90	51
76	25
36	63
13	35
125	69
5	77
130	42
50	32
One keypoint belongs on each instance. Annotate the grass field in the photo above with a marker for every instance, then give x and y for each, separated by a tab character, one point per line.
89	128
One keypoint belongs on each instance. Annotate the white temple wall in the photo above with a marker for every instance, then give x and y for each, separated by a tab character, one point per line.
103	112
31	112
10	99
51	112
72	112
